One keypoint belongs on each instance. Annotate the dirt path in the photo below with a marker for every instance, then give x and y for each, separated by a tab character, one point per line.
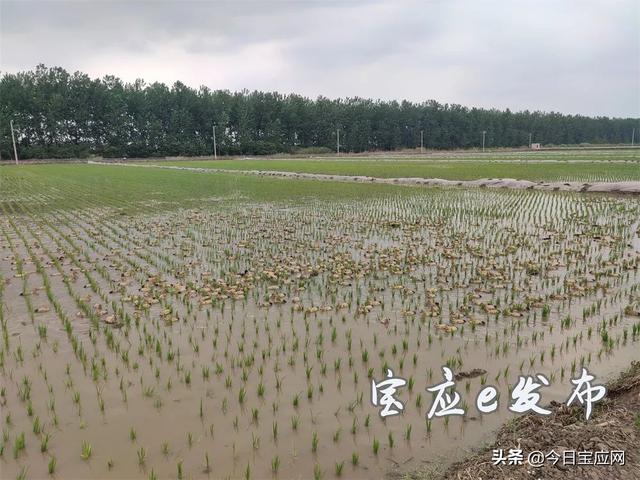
615	425
631	187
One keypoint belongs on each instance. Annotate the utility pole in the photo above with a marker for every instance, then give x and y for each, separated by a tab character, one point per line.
483	134
338	140
215	149
633	136
421	141
529	139
13	138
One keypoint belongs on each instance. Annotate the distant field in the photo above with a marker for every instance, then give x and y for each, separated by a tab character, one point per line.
589	166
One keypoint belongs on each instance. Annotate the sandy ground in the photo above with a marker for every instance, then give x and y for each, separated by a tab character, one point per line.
631	187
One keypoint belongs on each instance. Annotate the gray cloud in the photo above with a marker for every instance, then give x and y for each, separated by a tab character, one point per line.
571	56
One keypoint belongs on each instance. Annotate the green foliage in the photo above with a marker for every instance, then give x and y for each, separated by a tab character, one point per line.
76	116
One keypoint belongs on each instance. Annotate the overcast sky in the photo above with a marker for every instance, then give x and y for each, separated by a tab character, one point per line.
579	56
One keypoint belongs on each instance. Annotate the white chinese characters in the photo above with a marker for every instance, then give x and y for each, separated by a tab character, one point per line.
445	403
586	394
382	394
525	395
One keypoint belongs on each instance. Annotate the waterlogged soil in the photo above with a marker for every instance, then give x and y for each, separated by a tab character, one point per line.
240	339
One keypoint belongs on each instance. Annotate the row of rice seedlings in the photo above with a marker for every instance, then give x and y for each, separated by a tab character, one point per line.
307	337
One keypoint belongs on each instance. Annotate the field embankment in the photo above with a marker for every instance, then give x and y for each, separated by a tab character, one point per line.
624	187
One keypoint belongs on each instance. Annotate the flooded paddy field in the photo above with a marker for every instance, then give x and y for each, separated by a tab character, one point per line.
612	165
166	323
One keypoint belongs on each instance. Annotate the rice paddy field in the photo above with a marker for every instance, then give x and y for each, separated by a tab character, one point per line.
548	166
176	324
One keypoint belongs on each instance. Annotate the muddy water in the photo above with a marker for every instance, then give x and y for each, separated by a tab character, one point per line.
381	274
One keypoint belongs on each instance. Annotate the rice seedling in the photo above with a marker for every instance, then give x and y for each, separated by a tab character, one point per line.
293	307
19	445
51	466
85	453
275	464
22	475
44	442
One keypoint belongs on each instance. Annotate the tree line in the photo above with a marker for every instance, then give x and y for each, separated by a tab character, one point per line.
57	114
